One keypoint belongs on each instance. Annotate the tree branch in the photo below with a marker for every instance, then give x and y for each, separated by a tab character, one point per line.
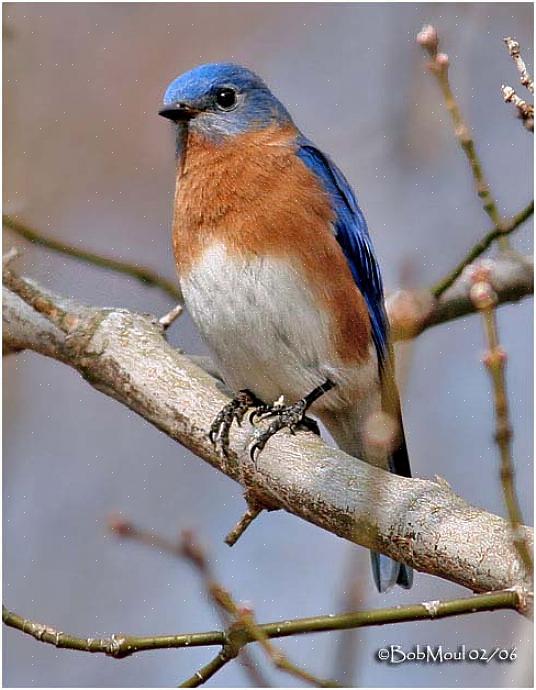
480	247
120	646
420	522
413	311
439	67
141	273
485	299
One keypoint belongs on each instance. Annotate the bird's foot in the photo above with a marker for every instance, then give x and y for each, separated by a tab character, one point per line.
234	411
291	417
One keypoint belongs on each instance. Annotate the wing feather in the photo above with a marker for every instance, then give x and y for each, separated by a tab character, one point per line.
352	234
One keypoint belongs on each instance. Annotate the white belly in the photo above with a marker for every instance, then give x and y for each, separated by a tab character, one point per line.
266	334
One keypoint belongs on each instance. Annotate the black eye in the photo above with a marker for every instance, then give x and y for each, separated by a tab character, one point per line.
226	98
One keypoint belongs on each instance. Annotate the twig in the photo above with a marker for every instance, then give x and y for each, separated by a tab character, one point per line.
171	316
525	110
206	672
120	645
127	529
144	275
438	66
480	247
253	511
515	53
9	256
277	657
485	299
413	311
36	299
240	617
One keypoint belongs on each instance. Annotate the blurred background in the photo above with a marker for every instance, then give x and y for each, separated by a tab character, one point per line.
88	160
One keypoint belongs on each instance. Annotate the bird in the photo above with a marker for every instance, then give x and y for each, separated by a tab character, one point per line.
278	271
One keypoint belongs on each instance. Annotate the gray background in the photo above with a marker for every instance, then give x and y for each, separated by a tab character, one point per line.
88	160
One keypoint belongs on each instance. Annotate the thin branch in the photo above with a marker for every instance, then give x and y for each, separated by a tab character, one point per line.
420	522
280	660
438	66
125	528
413	311
120	646
171	316
515	54
144	275
206	672
480	247
484	298
241	618
525	111
253	511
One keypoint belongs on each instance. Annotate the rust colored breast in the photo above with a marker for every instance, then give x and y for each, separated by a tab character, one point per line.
255	196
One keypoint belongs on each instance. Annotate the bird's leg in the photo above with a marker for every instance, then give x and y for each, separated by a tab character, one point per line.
233	411
287	417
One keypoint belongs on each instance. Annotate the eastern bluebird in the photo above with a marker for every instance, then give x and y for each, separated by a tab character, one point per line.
279	273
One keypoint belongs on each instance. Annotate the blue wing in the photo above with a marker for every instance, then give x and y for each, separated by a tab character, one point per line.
352	234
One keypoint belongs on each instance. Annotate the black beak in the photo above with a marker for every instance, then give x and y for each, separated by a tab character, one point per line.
178	112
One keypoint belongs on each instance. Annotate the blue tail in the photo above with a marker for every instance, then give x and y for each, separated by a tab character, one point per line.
386	572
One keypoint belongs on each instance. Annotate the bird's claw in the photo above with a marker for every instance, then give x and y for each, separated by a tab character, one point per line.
234	411
289	417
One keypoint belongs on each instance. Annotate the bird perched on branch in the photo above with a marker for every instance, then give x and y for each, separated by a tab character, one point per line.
279	274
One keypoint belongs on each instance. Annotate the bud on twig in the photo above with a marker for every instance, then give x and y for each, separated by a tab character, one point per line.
427	39
483	295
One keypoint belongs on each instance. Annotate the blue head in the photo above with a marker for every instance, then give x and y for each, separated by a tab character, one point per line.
222	99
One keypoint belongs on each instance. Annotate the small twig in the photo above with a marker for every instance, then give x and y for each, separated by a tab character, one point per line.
35	297
480	247
10	256
171	316
277	657
242	618
253	511
485	299
515	53
438	66
127	529
144	275
413	311
117	645
525	110
209	670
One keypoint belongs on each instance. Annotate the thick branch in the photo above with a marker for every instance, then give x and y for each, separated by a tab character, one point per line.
420	522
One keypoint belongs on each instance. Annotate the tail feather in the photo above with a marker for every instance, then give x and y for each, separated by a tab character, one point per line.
385	571
346	428
388	573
